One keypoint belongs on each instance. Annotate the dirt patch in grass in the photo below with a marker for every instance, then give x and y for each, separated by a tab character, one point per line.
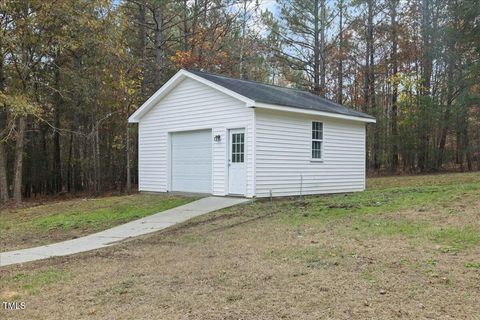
43	224
286	260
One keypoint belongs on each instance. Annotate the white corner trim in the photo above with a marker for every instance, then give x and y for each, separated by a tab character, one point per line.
172	83
312	112
254	151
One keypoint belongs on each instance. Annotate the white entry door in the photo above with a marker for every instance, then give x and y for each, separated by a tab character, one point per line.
237	173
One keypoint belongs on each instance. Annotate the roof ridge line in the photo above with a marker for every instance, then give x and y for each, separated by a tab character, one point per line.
262	83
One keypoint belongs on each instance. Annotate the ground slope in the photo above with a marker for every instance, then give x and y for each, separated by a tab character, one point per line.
408	248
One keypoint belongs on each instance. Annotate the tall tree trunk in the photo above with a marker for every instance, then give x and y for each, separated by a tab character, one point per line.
4	196
242	44
316	48
193	27
99	186
185	25
142	43
70	165
366	100
394	109
370	82
30	160
426	72
82	155
466	146
323	66
340	54
427	63
93	178
18	168
129	178
44	165
96	160
449	100
158	41
58	109
57	165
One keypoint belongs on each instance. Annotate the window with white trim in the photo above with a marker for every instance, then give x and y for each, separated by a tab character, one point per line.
238	147
317	140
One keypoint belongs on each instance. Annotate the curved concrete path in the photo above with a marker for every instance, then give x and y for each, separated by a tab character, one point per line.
108	237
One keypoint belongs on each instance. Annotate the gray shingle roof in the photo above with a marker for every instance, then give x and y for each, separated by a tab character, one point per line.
271	94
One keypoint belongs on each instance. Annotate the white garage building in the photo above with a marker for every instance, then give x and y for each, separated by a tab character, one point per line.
207	133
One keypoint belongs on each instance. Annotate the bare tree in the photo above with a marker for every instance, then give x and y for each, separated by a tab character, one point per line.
394	80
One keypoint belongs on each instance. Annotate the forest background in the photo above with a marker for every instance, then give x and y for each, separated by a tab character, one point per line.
72	71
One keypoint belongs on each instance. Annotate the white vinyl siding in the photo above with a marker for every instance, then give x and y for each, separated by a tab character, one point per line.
284	155
192	105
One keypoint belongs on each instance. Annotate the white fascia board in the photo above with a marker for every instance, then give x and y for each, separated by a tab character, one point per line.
312	112
170	84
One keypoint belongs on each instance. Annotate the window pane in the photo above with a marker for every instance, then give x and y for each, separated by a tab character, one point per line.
238	147
317	130
316	149
317	134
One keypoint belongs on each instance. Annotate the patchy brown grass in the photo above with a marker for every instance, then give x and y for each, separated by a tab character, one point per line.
422	180
273	261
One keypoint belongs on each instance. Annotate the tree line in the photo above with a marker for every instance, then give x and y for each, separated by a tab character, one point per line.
71	72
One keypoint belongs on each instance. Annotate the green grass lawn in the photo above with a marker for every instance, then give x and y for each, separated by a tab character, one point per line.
63	220
423	180
365	213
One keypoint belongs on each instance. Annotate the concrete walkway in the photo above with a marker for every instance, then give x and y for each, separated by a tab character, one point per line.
108	237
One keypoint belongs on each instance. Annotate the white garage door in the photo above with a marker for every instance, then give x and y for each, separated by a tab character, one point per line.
192	161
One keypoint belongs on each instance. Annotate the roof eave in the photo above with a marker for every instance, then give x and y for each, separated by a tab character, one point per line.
313	112
170	84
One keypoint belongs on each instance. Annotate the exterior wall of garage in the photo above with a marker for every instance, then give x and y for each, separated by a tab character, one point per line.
190	106
284	163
